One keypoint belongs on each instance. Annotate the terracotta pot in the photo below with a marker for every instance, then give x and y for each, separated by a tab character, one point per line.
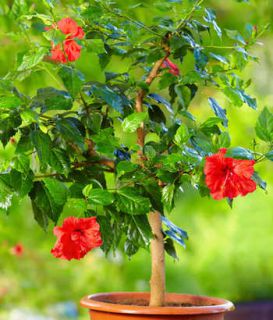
120	306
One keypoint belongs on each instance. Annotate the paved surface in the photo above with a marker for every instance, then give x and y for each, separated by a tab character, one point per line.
252	311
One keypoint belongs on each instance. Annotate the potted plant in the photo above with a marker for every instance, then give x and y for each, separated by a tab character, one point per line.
118	150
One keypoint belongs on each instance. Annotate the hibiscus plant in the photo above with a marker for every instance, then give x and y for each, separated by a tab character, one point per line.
118	151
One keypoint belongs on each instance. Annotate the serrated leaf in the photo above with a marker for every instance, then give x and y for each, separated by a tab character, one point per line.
264	126
31	59
69	129
59	161
182	135
240	153
108	95
125	167
159	99
100	197
72	79
52	99
170	248
219	111
219	58
6	194
235	35
43	146
133	121
56	193
168	196
259	181
184	95
129	201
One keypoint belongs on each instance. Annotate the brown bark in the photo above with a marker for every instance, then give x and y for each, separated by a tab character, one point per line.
157	282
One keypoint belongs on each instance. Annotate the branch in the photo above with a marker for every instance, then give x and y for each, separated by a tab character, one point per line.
139	100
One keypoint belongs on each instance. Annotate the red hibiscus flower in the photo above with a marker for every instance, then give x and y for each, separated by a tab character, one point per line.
173	68
17	250
76	237
57	53
69	50
228	177
70	27
72	50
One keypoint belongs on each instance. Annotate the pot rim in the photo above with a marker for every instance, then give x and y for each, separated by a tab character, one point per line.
215	305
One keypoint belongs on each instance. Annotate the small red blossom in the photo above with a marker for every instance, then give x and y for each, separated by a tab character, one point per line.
69	50
70	27
17	250
173	68
72	50
227	177
57	53
76	237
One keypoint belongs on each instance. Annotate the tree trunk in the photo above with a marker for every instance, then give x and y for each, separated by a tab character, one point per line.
157	282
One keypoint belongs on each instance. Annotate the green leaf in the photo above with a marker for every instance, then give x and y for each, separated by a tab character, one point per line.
156	114
93	121
76	206
108	95
72	79
184	95
69	129
182	135
9	102
52	99
264	126
133	121
219	112
224	140
100	197
59	161
8	127
40	204
143	227
269	155
240	153
31	59
43	146
125	167
106	142
210	122
259	181
168	196
6	193
159	99
170	248
129	201
95	46
235	35
22	163
219	58
56	193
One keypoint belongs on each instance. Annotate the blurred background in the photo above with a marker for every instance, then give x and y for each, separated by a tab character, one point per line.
230	252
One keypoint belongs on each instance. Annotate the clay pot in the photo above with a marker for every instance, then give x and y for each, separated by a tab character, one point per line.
129	306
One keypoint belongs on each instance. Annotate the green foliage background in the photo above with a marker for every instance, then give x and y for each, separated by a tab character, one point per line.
230	251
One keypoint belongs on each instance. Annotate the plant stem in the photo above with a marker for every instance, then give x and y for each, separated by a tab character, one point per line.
157	282
189	15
